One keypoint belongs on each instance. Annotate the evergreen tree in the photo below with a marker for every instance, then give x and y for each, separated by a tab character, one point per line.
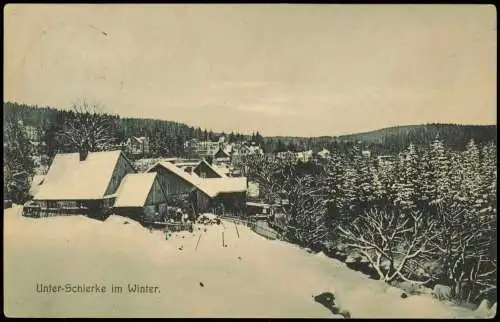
440	168
409	180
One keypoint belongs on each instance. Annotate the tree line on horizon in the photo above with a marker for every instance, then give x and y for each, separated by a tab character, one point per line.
167	137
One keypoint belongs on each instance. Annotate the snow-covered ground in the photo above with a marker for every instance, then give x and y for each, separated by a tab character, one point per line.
251	277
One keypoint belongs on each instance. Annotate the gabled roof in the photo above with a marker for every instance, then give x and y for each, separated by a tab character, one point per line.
177	171
140	139
69	178
225	153
134	189
213	168
187	164
209	186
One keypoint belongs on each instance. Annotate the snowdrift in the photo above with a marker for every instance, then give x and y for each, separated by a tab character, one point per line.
216	271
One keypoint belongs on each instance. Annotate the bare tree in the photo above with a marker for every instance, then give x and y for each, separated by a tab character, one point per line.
266	172
89	128
394	244
306	210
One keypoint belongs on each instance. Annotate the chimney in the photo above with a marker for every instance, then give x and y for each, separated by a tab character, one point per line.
83	154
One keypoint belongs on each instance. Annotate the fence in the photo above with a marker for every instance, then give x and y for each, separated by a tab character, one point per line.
237	220
173	227
260	227
39	212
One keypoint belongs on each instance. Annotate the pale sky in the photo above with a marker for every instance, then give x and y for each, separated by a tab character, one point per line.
304	70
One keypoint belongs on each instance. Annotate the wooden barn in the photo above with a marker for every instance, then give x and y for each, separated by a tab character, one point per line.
141	197
174	180
227	195
206	170
81	183
205	194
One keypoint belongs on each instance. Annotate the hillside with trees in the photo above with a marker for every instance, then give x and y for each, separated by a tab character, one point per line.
391	140
167	137
428	217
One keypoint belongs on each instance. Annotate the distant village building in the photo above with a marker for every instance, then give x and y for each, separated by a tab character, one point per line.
223	155
33	133
141	197
324	154
286	155
81	183
137	145
304	156
240	151
384	160
202	148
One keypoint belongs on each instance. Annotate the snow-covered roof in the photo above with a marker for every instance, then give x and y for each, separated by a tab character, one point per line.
210	186
186	164
222	170
134	189
69	178
213	186
141	139
194	180
35	184
216	169
226	150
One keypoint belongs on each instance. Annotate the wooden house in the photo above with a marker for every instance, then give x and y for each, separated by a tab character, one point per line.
304	156
141	197
221	194
137	145
174	180
324	154
222	155
205	194
81	183
206	170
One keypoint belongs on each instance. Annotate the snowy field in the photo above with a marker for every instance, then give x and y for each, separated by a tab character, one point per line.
251	277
